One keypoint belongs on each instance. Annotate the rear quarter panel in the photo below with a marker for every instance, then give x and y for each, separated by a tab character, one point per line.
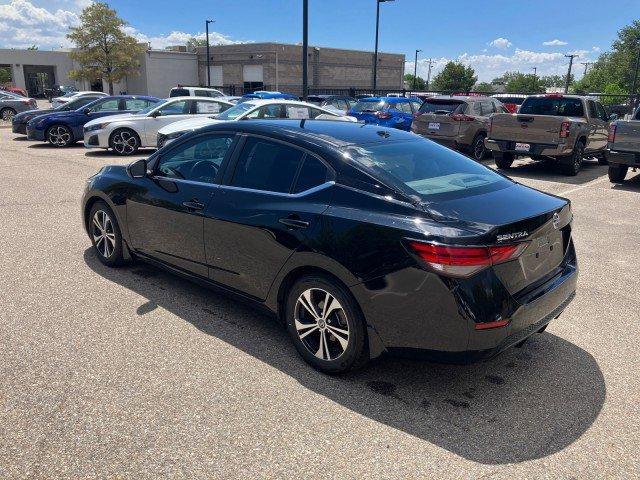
627	136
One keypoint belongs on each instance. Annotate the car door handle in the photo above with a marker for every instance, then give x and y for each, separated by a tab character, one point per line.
294	222
193	205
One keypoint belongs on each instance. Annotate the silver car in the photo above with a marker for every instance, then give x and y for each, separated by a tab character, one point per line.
11	103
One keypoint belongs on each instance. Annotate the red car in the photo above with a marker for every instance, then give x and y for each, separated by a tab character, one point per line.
17	90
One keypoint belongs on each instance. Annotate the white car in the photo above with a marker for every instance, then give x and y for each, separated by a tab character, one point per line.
275	108
57	101
182	91
125	134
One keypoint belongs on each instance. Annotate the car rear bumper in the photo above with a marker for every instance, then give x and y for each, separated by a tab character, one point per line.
545	149
629	159
416	312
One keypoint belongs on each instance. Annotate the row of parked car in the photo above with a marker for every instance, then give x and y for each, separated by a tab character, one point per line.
564	129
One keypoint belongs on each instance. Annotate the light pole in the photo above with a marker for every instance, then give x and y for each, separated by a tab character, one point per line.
375	55
535	71
207	22
305	48
566	83
415	69
633	101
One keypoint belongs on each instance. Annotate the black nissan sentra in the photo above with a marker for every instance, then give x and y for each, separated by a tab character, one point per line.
361	239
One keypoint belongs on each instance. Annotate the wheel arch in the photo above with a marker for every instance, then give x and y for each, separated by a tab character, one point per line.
91	200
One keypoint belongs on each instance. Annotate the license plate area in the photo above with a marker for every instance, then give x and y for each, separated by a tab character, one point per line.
523	147
434	125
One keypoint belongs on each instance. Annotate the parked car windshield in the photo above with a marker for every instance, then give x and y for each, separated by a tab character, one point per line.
558	106
369	106
441	106
235	112
179	92
431	171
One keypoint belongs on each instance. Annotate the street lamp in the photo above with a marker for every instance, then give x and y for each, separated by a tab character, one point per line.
375	55
415	69
207	22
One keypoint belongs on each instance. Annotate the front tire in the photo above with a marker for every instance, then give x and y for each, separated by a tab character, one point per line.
124	142
7	114
478	150
571	165
503	160
105	234
617	173
326	325
59	136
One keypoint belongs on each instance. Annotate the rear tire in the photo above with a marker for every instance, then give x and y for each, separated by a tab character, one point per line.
503	160
7	114
571	165
332	342
478	150
617	173
105	234
59	135
124	142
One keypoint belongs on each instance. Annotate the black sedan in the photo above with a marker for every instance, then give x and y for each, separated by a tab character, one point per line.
361	239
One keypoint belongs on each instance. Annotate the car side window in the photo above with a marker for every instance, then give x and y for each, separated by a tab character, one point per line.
202	93
106	106
268	166
602	113
175	108
487	108
198	160
315	112
271	112
312	173
476	108
135	104
203	106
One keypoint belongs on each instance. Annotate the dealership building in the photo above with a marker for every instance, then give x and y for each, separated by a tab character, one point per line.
237	67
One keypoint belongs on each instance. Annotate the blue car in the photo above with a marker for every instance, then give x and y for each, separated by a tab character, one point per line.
395	112
265	95
62	129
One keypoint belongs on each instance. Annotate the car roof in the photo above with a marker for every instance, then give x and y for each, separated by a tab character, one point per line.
462	98
187	97
390	99
269	101
323	133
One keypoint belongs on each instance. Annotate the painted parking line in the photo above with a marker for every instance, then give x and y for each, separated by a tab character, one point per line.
586	185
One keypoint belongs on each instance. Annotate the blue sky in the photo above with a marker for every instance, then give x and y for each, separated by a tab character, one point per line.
492	36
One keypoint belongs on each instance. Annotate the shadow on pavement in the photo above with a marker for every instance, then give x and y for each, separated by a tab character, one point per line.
550	172
631	184
46	145
526	404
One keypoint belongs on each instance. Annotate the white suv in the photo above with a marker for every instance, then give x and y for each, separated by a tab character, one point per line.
182	91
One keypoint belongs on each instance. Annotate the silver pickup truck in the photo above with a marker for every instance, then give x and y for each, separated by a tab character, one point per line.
623	147
564	128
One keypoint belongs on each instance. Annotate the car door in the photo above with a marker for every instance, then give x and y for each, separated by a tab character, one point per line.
603	126
596	127
270	200
165	210
406	114
166	114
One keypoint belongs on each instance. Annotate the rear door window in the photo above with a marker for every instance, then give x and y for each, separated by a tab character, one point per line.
369	106
202	93
593	110
556	106
487	108
135	104
312	174
176	108
207	107
106	106
602	113
267	166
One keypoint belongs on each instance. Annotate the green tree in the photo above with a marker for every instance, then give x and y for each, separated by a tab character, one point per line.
484	87
523	83
32	47
455	77
421	84
557	81
616	67
102	49
193	43
5	74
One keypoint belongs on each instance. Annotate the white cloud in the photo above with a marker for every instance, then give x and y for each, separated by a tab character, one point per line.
554	43
23	24
501	43
596	49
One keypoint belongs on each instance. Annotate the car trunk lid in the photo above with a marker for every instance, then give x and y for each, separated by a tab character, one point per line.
526	128
439	117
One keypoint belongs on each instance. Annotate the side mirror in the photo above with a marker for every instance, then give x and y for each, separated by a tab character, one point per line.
155	113
138	169
613	116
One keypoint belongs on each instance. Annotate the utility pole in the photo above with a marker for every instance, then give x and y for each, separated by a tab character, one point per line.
305	48
206	23
632	103
375	54
586	66
429	73
535	71
415	69
566	83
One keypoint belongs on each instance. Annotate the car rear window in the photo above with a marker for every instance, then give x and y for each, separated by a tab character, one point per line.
514	100
370	106
179	92
315	100
426	169
442	106
557	106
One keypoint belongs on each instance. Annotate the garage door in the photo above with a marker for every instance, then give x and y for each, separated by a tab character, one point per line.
216	76
252	73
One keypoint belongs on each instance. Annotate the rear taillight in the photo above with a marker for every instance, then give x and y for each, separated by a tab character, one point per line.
461	117
383	115
460	261
564	129
612	134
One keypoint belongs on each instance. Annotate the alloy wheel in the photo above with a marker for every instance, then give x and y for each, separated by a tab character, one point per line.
59	135
8	114
103	233
125	143
321	324
478	149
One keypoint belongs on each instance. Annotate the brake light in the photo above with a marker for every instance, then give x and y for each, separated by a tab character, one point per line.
461	117
564	129
460	261
383	115
554	95
612	134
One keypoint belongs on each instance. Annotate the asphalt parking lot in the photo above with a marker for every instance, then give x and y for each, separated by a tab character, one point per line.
134	373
